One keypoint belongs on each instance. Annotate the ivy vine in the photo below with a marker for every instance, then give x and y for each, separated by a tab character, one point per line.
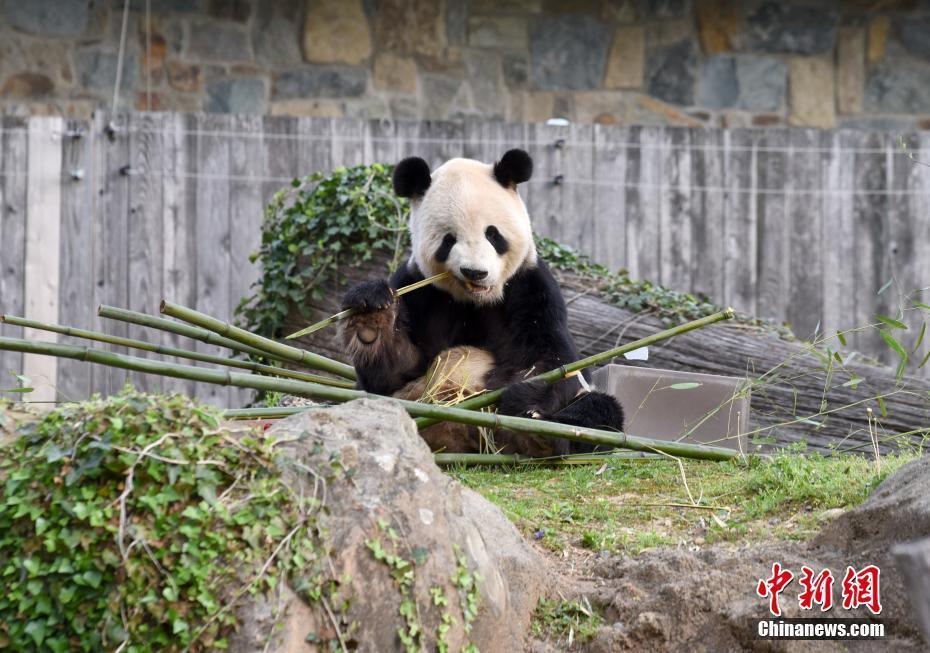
136	523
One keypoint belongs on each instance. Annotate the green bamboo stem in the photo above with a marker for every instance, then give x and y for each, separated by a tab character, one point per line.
491	397
272	412
341	315
279	350
173	351
186	330
414	408
517	459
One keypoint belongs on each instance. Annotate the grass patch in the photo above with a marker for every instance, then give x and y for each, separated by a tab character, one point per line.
565	621
635	505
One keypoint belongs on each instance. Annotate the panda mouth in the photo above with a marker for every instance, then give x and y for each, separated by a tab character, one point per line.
476	289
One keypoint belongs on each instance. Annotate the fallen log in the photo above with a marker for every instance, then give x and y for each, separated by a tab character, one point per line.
799	393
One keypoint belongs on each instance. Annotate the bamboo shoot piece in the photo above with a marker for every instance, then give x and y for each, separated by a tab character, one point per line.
131	343
341	315
491	397
330	393
277	349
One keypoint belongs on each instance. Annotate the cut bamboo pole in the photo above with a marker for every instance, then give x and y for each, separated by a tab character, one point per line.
491	397
341	315
273	412
173	351
443	413
517	459
280	350
160	323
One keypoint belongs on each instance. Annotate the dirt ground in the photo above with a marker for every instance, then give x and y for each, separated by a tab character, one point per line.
703	598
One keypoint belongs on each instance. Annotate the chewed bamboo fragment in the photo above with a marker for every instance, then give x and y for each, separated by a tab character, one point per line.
341	315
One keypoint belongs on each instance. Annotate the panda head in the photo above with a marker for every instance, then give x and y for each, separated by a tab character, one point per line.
467	218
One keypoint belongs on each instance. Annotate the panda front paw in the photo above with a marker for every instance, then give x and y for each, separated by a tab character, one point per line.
524	399
369	296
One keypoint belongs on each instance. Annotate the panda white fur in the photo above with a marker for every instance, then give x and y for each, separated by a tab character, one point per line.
498	319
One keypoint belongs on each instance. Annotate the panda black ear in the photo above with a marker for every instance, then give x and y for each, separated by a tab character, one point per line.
411	177
514	168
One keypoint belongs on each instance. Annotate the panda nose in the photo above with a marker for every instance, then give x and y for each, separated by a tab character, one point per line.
473	275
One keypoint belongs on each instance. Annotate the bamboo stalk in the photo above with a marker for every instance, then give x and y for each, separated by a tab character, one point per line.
517	459
279	350
173	351
160	323
414	408
270	412
491	397
341	315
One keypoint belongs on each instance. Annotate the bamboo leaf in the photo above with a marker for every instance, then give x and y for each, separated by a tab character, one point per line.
19	390
841	338
890	321
894	344
886	286
881	405
920	337
853	382
924	361
685	386
922	305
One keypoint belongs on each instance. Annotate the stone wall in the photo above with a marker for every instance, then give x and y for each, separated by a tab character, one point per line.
856	63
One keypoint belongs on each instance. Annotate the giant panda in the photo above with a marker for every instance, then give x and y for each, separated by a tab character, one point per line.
498	319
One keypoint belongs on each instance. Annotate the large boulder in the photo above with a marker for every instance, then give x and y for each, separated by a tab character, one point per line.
395	512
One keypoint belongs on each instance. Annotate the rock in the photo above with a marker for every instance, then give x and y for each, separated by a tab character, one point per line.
320	81
457	22
336	31
185	77
626	61
48	17
393	73
718	86
791	29
236	95
235	10
438	526
154	47
850	70
913	34
486	80
27	86
897	511
666	8
811	94
505	6
718	24
878	39
625	108
620	11
404	108
315	108
763	83
532	106
275	33
438	95
897	86
411	27
215	41
568	52
498	32
670	73
96	70
516	70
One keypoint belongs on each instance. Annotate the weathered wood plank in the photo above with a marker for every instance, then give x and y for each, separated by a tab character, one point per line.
804	310
773	253
43	246
348	142
544	195
608	219
578	214
145	243
178	236
643	188
675	209
76	291
246	210
12	236
919	208
708	203
838	251
212	264
740	253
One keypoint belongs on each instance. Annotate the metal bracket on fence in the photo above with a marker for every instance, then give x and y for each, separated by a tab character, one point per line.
559	144
112	130
127	170
74	134
558	180
77	174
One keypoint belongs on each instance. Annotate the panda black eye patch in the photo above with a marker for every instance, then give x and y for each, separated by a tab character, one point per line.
497	240
442	252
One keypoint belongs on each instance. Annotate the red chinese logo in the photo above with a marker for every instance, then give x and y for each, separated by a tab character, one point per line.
862	588
773	586
817	590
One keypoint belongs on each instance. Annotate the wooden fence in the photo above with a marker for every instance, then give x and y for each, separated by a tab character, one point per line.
801	226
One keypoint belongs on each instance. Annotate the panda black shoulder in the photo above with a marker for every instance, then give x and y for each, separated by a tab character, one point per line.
534	291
